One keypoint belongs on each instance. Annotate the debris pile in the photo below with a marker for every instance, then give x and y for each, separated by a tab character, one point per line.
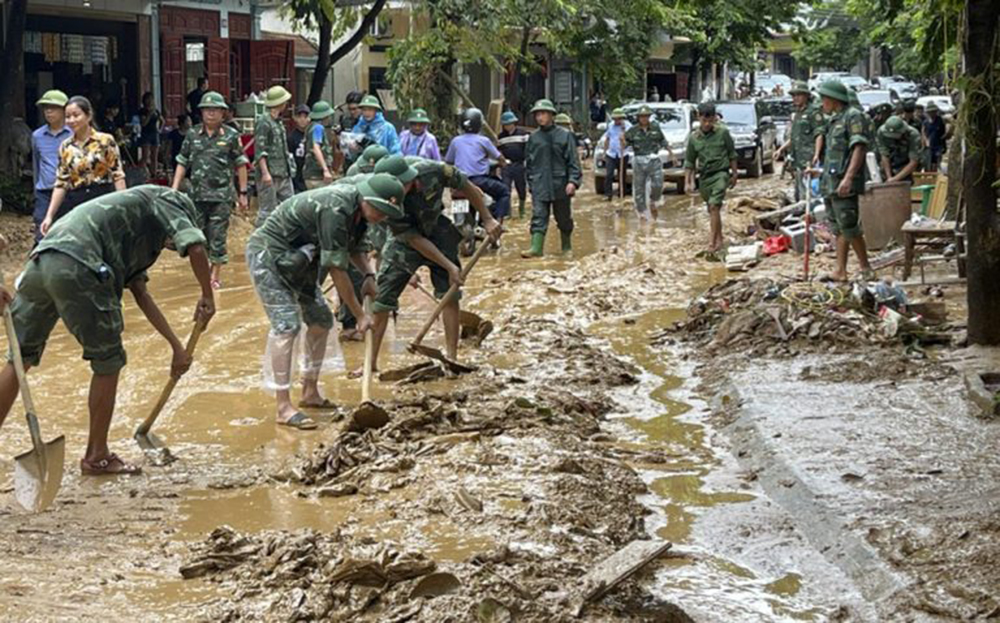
780	317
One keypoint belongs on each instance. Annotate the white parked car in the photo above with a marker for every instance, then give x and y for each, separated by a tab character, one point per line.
944	103
765	83
869	99
676	120
819	78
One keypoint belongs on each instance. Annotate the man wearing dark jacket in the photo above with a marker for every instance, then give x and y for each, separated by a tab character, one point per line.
553	171
512	143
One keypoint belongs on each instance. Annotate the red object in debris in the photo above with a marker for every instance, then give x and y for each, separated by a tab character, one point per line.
776	244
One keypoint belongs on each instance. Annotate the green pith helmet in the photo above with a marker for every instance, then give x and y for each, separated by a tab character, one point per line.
370	101
932	107
852	99
320	110
508	118
799	87
835	89
645	111
55	97
563	119
397	167
544	105
419	115
384	192
617	113
213	99
276	96
374	153
893	127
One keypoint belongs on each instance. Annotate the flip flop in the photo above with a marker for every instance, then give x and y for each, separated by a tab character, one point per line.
300	421
326	404
351	335
112	465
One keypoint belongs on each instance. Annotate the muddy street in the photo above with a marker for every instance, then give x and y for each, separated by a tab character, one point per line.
490	495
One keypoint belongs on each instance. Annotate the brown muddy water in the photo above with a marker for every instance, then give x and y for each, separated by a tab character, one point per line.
109	546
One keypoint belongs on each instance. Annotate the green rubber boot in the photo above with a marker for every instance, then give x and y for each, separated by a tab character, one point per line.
567	241
520	208
537	243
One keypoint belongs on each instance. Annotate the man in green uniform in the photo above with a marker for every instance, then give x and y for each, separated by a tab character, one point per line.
318	168
711	154
79	272
844	174
368	159
273	163
212	150
803	146
423	236
553	170
318	231
899	147
646	140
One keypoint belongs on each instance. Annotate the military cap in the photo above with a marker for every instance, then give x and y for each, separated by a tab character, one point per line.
301	109
564	119
374	153
418	115
544	105
645	111
852	99
706	109
932	107
909	106
508	117
397	167
799	87
834	89
893	127
212	99
384	192
320	110
617	113
55	97
370	101
276	96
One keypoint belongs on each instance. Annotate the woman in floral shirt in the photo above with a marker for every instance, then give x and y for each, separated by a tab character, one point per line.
89	163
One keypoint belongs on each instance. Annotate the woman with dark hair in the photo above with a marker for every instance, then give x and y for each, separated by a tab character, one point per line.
150	123
89	163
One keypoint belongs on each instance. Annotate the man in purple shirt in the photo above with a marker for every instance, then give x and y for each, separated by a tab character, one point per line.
418	141
45	144
471	154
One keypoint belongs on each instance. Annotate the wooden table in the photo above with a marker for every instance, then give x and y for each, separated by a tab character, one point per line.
935	236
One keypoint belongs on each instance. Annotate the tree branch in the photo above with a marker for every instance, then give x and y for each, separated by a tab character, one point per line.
359	34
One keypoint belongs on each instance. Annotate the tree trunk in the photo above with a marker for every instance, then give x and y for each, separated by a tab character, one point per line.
322	60
518	86
694	78
11	79
979	172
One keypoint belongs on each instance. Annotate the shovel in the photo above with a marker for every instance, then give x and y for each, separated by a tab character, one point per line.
465	318
37	473
368	414
805	258
434	353
150	443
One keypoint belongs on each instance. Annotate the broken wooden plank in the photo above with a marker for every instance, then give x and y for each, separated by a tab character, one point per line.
616	568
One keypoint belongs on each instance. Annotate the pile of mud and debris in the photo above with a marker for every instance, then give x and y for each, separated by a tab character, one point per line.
781	317
514	459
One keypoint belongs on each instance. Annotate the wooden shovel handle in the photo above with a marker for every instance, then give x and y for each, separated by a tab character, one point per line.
15	348
168	389
366	378
447	297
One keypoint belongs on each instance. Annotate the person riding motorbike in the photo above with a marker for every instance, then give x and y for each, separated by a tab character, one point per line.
472	153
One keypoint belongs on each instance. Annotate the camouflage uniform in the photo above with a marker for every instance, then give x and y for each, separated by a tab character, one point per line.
312	232
79	271
807	124
312	173
844	130
211	160
271	142
646	144
710	154
423	214
900	150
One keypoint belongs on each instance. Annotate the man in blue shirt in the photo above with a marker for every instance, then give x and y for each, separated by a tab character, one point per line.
471	154
45	143
614	152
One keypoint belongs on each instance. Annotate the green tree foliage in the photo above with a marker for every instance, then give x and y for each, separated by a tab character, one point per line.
830	38
919	37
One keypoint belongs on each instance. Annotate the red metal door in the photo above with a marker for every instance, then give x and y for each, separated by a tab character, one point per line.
172	49
273	62
217	55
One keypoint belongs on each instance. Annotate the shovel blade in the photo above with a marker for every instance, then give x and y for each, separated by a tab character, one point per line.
36	487
368	415
433	353
155	450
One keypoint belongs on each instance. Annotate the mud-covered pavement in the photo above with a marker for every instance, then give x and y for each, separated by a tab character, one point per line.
497	491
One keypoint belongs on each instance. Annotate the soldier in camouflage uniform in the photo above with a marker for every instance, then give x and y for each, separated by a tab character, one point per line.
646	140
318	231
320	149
79	272
273	163
423	236
368	159
552	166
212	150
844	175
900	150
712	154
803	145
